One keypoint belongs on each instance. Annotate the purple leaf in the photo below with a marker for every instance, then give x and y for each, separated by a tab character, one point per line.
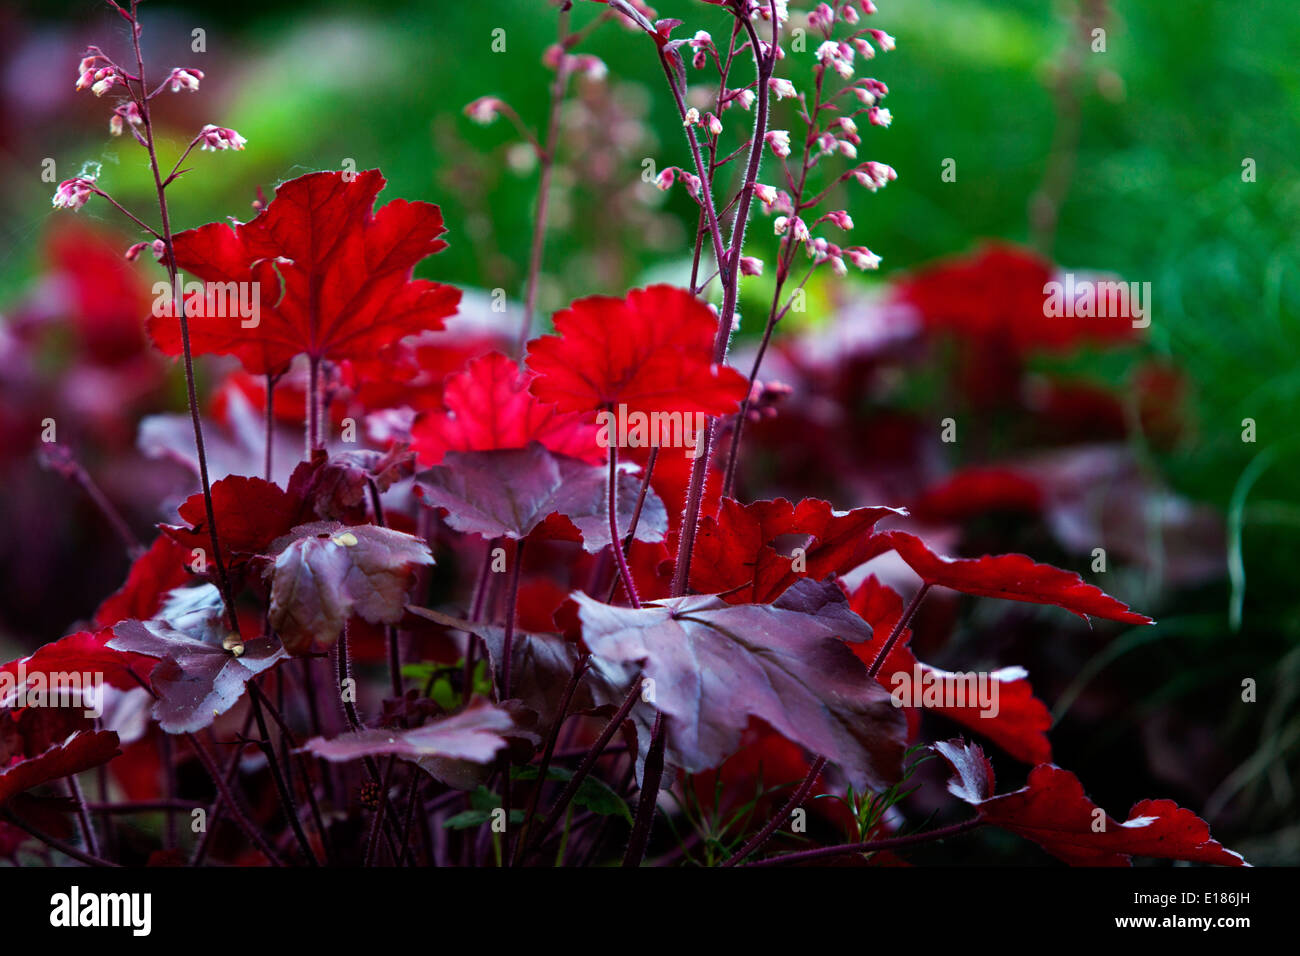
509	493
716	665
326	572
197	678
338	485
474	735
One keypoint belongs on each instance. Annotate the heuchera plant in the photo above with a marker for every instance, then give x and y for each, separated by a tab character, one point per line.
663	627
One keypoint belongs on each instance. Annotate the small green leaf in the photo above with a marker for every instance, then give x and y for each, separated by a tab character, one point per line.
466	819
595	795
598	797
483	802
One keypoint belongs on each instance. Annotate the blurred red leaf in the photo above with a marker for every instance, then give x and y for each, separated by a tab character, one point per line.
996	296
975	491
103	293
85	652
160	569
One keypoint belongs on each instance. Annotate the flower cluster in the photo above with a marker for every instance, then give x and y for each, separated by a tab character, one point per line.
98	73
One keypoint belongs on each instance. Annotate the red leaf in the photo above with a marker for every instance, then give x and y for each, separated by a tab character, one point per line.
1014	577
411	374
734	549
487	406
1054	812
652	351
671	480
1021	721
216	254
881	607
103	294
251	513
81	751
341	271
81	653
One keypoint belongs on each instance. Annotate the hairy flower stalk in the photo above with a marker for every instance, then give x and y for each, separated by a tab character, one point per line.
140	97
838	135
727	257
105	74
728	260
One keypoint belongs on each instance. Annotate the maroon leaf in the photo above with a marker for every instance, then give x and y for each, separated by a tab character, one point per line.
716	665
326	572
1015	577
197	677
474	734
251	514
335	487
82	751
235	443
541	665
510	493
1054	812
